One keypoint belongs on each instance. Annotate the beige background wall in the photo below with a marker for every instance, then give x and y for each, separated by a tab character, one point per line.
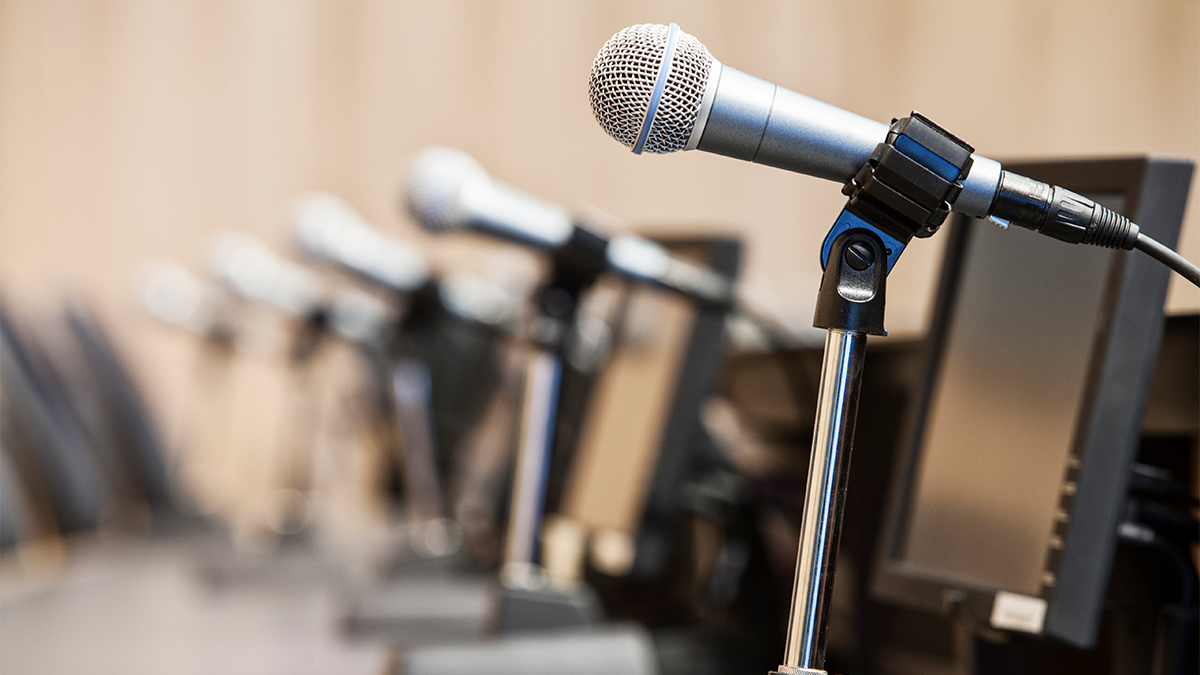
131	128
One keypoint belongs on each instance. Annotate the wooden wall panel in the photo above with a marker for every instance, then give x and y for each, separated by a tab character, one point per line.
131	128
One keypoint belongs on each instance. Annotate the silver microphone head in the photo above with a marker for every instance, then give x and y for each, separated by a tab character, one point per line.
448	190
317	221
645	101
437	178
175	295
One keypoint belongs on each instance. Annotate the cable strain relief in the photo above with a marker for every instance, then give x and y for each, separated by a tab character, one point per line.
1110	229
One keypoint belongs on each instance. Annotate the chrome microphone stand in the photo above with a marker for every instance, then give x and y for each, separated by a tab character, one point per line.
431	533
406	368
906	189
833	435
535	445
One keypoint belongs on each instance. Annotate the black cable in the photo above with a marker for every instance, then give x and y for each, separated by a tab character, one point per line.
1169	258
1141	535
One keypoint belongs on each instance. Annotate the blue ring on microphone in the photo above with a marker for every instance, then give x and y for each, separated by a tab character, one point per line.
660	83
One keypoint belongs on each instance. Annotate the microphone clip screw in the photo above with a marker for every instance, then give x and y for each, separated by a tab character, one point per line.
860	255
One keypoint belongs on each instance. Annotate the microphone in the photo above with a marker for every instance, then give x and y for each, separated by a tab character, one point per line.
250	269
657	89
174	294
327	228
447	190
246	266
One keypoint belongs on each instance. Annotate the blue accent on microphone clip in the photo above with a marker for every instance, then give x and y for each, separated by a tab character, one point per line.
848	221
660	83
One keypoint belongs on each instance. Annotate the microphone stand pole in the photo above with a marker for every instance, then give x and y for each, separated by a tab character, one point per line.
906	189
432	534
833	436
543	374
301	430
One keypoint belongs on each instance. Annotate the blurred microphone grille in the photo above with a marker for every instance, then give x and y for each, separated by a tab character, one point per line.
433	190
317	218
622	84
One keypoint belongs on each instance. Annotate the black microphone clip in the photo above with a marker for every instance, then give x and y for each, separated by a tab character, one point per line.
907	187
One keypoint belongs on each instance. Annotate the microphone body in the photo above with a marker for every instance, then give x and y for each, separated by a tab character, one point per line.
755	120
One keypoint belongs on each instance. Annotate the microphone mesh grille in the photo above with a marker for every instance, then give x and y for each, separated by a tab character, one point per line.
622	82
436	180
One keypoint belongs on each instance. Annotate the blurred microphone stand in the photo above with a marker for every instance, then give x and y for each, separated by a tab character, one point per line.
431	532
252	271
526	601
433	374
431	362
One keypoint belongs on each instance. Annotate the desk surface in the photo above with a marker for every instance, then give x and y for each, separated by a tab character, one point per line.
140	608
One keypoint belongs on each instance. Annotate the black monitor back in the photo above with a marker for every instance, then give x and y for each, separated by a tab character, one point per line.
1014	468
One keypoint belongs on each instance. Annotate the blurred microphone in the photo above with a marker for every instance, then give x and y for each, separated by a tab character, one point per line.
175	295
655	88
447	190
247	267
252	270
327	228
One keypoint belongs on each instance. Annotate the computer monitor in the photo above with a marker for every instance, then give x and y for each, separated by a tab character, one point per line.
1013	469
